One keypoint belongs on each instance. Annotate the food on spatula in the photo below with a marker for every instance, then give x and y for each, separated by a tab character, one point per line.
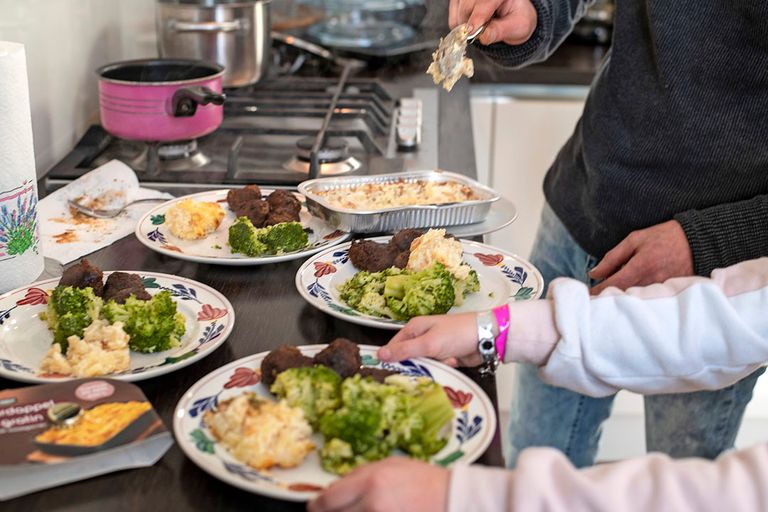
363	419
449	62
261	433
102	350
192	220
103	329
433	280
281	238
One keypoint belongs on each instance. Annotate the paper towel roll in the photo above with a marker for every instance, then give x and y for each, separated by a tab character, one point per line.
21	260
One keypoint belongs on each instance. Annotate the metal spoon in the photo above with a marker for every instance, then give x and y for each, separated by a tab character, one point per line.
110	212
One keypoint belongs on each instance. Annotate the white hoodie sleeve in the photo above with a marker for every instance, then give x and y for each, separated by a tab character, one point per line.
683	335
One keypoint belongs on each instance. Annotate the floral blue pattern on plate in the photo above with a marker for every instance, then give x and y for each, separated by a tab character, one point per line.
25	338
503	277
472	429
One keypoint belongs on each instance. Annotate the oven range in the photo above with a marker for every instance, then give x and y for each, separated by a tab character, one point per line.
280	132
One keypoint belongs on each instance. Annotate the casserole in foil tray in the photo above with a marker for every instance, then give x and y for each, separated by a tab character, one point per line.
398	217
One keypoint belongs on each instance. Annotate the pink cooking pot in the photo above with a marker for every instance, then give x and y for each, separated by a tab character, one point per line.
161	100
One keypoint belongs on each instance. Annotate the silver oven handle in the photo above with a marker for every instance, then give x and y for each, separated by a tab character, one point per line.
208	26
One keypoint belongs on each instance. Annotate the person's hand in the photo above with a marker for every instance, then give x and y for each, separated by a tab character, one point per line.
511	21
451	339
396	483
647	256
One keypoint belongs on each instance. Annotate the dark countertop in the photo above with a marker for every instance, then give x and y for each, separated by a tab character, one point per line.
270	312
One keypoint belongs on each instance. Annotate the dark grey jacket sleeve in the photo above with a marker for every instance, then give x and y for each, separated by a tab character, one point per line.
726	234
555	21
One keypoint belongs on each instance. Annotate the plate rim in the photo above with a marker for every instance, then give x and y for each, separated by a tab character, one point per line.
369	321
179	413
132	377
235	262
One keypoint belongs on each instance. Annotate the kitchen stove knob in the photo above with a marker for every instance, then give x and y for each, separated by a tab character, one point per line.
408	137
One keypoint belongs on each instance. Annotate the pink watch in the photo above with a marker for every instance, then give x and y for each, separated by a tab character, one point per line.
502	322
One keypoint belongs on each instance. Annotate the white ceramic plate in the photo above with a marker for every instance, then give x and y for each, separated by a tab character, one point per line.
503	277
152	232
472	429
25	338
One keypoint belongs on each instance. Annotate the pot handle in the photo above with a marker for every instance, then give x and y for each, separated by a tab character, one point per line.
186	100
208	26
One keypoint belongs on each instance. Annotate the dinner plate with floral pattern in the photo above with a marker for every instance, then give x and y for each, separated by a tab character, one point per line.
472	428
503	277
25	338
153	232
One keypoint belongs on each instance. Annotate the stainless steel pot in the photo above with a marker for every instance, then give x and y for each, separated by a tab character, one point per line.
234	33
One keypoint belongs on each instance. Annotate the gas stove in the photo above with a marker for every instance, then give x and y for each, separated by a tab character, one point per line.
280	132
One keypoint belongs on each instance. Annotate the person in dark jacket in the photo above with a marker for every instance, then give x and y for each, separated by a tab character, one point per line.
665	175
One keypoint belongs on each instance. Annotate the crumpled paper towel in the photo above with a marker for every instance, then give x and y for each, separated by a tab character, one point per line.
20	258
68	235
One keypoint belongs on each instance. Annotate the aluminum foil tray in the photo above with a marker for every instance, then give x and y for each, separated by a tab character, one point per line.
394	219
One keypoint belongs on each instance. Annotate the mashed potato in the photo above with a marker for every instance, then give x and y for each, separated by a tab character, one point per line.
192	220
433	247
261	433
102	350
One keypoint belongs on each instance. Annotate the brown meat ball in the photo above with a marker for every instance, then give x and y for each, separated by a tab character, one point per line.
281	215
256	211
401	260
281	359
238	198
340	355
371	256
118	281
377	374
121	295
84	275
403	238
284	200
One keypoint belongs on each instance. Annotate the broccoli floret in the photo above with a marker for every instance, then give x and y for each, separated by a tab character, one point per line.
353	289
315	389
70	310
420	429
283	237
464	287
427	292
243	239
362	424
153	325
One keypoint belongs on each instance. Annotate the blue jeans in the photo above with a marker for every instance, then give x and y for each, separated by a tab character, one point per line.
700	424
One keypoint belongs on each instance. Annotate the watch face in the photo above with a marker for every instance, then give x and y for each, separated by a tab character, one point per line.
486	346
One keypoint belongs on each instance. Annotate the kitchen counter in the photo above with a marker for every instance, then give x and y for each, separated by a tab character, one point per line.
269	312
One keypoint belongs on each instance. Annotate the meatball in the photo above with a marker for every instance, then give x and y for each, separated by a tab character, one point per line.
370	256
281	359
401	260
118	281
284	200
84	275
340	355
403	238
256	211
377	374
281	215
238	198
120	295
